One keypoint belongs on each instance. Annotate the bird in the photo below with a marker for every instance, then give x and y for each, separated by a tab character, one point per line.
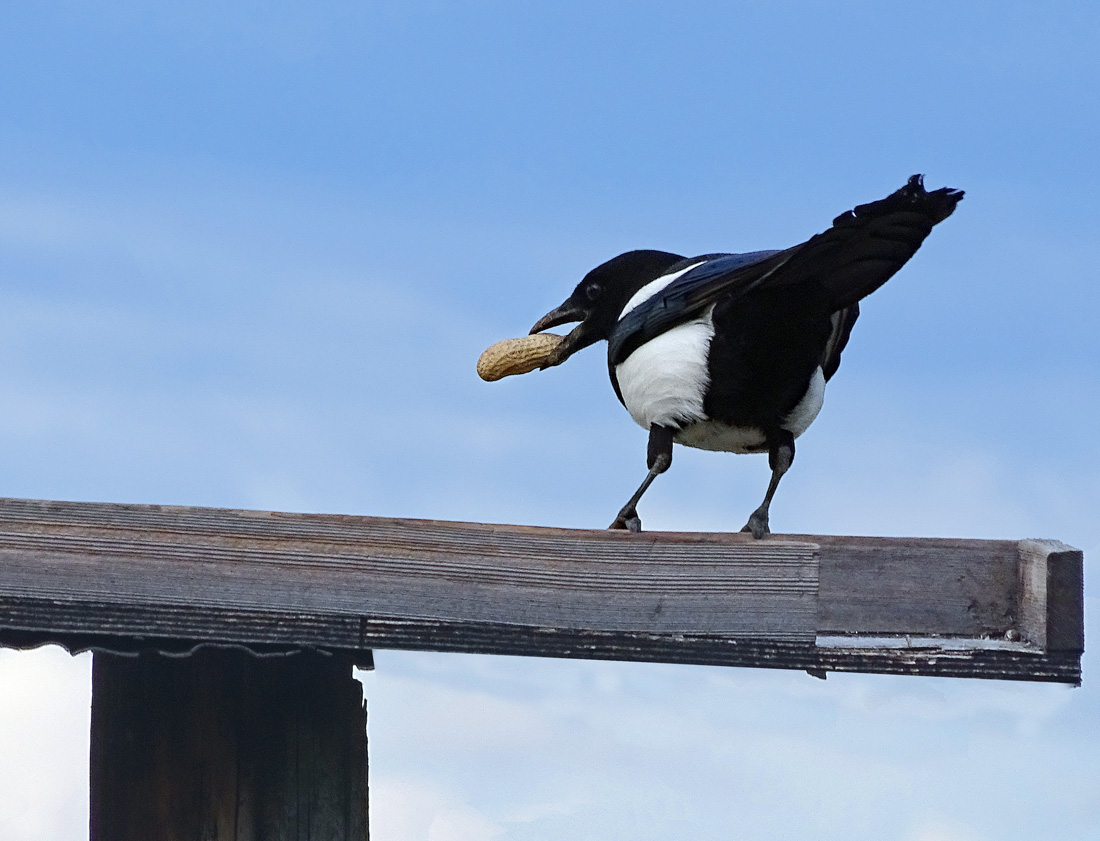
732	352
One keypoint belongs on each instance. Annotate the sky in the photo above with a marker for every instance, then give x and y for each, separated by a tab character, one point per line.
249	254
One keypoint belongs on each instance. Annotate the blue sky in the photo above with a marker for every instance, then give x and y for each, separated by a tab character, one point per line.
249	254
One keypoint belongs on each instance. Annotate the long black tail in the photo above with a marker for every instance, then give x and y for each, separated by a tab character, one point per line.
866	246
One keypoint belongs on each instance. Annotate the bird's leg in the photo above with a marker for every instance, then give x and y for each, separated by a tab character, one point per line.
780	457
658	459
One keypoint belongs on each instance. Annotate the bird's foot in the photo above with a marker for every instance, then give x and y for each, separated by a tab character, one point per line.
758	524
628	519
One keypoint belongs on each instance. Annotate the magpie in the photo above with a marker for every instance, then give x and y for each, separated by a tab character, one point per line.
731	352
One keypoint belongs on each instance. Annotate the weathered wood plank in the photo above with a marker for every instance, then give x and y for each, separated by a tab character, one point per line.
943	657
1051	595
225	746
916	586
351	567
122	576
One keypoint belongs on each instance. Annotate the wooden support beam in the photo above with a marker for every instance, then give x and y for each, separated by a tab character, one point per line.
111	576
222	745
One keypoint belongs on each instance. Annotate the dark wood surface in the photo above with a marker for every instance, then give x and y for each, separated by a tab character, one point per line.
225	746
104	575
1052	573
916	586
226	565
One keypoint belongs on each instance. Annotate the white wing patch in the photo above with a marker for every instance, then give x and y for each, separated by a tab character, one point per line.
655	286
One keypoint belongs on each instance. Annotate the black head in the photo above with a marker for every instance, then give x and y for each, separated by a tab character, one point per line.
600	297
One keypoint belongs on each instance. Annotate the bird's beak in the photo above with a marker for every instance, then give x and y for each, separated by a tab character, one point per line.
562	315
580	337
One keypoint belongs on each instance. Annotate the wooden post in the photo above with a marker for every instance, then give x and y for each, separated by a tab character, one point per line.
222	745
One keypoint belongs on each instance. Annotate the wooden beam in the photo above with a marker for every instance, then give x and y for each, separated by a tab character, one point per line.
1051	595
226	746
105	575
334	581
918	587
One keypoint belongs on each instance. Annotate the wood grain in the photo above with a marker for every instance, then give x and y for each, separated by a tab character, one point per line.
228	747
295	565
1051	588
916	586
118	577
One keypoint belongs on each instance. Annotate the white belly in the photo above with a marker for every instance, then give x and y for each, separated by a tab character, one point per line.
664	380
802	415
714	435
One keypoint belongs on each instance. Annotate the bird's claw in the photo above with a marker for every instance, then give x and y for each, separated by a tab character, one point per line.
628	519
758	525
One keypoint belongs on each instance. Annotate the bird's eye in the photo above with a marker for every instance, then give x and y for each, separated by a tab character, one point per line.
592	291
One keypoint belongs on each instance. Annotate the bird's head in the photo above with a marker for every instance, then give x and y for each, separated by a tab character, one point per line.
599	299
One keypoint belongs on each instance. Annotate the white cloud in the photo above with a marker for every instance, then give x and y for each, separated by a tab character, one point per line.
407	810
45	697
592	750
463	824
938	830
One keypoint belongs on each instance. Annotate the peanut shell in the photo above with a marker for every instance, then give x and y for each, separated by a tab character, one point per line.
516	356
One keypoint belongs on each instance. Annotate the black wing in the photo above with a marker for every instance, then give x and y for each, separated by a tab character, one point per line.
843	321
715	276
860	252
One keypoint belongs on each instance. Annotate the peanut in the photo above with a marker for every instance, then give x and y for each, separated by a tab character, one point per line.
516	356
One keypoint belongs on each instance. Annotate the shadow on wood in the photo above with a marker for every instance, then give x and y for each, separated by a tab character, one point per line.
222	745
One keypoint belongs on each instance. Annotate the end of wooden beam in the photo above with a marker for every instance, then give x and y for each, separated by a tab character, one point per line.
1050	608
